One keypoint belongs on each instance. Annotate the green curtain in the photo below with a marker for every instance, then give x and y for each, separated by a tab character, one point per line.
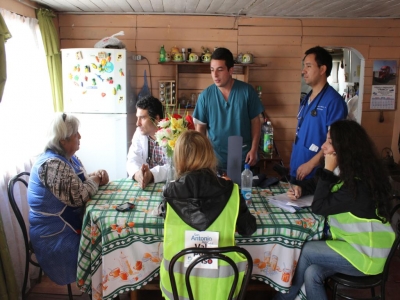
4	36
8	284
52	48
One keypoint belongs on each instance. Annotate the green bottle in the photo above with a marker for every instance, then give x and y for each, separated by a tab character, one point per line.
162	54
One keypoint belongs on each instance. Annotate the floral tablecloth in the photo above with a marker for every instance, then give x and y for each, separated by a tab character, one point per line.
122	251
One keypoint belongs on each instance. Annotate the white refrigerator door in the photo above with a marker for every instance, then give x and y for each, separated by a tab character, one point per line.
104	143
97	80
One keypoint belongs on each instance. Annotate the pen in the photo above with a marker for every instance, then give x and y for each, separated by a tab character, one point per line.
290	185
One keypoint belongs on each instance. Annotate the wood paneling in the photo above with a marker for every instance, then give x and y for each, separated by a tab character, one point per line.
278	43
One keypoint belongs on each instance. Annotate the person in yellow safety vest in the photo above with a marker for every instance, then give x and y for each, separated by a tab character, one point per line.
199	200
353	191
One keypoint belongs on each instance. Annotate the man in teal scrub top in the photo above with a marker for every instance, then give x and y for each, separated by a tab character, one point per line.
229	107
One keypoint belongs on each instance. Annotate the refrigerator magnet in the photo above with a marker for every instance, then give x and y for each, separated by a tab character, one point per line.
119	56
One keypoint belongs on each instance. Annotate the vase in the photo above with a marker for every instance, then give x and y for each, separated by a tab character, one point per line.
171	169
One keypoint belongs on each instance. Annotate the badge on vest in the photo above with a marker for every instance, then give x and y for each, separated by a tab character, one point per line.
201	239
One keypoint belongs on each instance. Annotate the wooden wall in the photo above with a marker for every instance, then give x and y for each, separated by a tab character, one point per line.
279	43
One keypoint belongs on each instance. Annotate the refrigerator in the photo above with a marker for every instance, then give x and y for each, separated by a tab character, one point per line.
97	89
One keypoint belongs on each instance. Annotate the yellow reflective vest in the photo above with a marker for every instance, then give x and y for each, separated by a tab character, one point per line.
206	283
365	243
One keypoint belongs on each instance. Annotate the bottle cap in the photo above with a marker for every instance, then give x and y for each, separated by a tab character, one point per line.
246	166
183	49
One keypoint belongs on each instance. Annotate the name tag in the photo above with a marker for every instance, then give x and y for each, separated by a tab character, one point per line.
201	240
313	148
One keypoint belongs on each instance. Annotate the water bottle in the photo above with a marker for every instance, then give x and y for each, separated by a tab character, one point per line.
268	138
162	54
246	184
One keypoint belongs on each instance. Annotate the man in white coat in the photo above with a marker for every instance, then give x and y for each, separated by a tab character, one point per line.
146	161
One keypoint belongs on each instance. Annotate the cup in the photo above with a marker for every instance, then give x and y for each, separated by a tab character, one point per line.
123	275
121	222
193	57
206	57
274	262
285	275
115	272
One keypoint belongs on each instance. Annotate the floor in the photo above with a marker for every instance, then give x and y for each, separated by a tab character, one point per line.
47	290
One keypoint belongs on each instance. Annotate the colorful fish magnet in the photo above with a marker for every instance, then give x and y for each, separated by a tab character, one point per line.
99	76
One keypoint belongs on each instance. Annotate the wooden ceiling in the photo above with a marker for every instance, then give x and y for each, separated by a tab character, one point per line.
251	8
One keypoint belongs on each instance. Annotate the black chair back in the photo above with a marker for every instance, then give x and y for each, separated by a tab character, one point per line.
208	253
10	190
21	178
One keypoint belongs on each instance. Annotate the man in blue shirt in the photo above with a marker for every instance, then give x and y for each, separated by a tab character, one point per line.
318	110
229	107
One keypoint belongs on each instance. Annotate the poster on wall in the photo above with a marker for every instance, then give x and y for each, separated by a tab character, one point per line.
383	94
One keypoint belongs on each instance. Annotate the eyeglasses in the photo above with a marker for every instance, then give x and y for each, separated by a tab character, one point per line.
64	116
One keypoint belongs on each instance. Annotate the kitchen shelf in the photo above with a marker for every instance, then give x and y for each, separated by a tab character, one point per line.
204	68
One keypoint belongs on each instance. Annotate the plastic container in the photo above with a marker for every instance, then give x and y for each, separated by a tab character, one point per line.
246	184
162	54
268	138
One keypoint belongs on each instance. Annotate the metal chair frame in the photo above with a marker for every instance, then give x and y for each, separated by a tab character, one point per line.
207	254
368	281
28	246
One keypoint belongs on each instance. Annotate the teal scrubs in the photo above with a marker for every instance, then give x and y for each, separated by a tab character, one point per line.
228	118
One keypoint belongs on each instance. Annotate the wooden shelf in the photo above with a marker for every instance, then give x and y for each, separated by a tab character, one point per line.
204	68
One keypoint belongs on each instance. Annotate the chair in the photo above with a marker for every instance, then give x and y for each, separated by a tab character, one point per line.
208	253
368	281
28	246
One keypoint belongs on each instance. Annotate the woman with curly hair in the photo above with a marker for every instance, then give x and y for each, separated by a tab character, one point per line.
352	191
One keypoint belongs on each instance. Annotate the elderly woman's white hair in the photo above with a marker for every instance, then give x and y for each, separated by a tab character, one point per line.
61	128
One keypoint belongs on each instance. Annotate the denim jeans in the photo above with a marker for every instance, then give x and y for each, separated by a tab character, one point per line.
316	263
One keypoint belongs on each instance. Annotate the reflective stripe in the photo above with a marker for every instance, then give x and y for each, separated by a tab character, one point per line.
221	272
356	227
365	243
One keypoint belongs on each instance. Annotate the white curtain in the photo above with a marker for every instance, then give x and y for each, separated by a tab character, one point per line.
25	112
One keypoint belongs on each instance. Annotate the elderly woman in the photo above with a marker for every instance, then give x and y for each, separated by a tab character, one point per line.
58	190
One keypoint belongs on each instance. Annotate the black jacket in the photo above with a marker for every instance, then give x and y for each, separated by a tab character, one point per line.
199	197
327	203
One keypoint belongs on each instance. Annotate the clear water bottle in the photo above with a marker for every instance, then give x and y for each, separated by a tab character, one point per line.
268	138
246	184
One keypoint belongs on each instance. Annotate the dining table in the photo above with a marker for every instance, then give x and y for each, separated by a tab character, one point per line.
122	251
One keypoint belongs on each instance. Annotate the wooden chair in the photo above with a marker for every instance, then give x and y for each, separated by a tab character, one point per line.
20	178
208	253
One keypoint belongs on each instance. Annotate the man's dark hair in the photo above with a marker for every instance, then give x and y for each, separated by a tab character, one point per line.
322	57
152	105
224	54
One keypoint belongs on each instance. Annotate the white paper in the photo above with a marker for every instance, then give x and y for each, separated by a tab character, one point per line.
201	239
283	201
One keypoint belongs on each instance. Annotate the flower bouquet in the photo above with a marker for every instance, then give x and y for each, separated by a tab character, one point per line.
170	129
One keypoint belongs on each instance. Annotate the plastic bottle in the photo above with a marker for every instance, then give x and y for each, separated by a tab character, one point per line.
246	183
184	54
268	138
162	54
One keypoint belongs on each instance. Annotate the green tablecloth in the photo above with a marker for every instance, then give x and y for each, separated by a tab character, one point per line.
121	251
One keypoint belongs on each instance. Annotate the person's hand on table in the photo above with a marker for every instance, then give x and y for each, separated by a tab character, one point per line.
143	176
294	193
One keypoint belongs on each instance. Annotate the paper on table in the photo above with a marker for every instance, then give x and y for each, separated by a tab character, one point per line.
284	202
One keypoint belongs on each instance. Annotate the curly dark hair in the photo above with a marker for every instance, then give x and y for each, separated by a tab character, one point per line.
322	57
153	106
224	54
358	159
